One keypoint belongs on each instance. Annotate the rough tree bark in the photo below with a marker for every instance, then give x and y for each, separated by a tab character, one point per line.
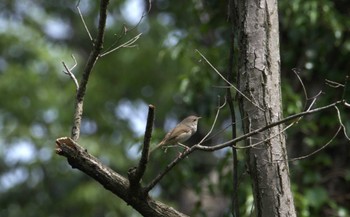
259	79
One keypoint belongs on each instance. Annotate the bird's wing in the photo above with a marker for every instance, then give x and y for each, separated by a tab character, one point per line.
176	131
170	137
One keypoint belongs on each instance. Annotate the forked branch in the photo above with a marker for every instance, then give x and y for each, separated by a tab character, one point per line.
234	141
94	54
68	71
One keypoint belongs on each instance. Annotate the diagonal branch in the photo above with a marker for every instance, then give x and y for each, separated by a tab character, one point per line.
79	158
82	20
252	133
70	73
94	54
229	83
283	130
135	174
129	43
318	150
333	84
215	119
182	156
341	124
233	141
307	98
125	30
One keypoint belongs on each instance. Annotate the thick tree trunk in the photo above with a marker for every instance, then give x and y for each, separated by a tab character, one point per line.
259	80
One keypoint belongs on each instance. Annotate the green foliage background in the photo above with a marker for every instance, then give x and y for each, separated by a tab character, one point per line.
37	100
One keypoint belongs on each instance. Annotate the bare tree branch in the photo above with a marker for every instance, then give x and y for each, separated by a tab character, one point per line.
345	88
168	168
307	98
79	158
198	146
125	31
333	84
129	43
70	73
82	19
94	54
233	141
229	83
224	128
135	174
283	130
331	140
341	124
314	152
215	119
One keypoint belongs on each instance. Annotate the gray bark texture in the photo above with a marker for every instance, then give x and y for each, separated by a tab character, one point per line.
259	79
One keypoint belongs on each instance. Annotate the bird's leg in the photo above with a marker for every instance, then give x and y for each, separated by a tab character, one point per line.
169	146
165	148
183	146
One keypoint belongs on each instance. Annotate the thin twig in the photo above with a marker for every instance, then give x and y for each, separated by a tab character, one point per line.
341	123
69	72
224	128
345	87
124	31
221	86
346	104
214	122
341	126
168	168
307	98
94	54
229	83
314	152
271	137
281	131
129	43
310	106
254	132
333	84
296	72
82	19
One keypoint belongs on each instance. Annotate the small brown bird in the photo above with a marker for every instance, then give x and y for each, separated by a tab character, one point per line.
182	132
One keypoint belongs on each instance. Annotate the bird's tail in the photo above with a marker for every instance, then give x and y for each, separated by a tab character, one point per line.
157	146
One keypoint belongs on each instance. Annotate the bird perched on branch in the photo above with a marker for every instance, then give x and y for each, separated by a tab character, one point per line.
182	132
